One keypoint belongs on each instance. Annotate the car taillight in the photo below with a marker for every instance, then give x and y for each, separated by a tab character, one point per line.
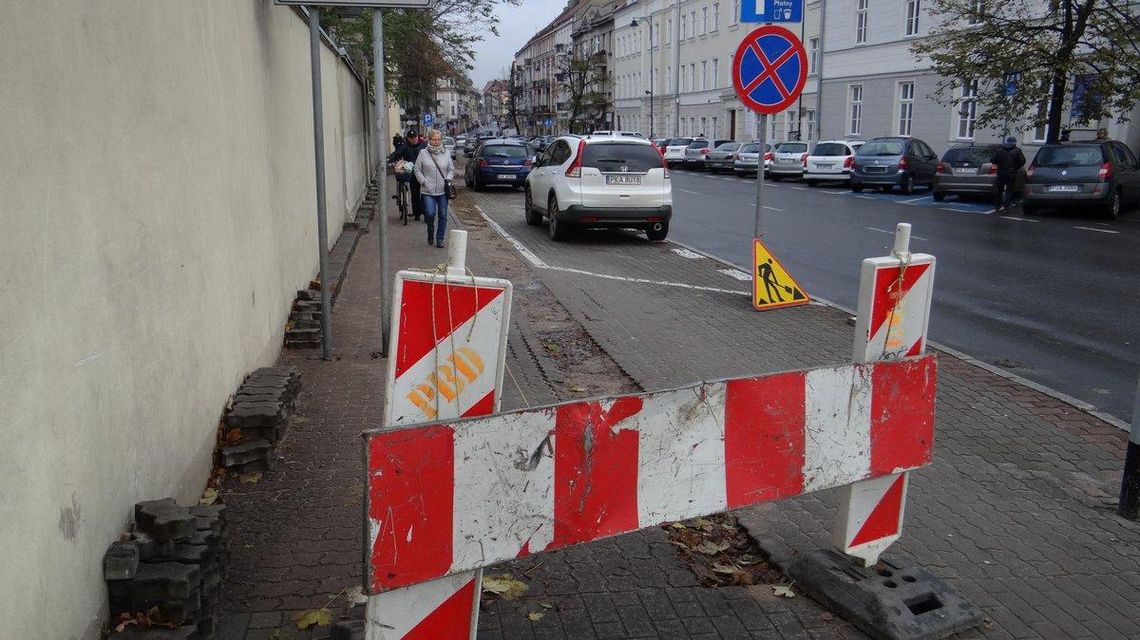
903	163
803	159
704	151
1029	171
849	162
993	169
575	168
769	155
665	166
528	163
940	169
483	164
1105	172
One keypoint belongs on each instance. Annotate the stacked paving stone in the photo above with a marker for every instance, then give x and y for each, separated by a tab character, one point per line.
304	330
174	561
261	411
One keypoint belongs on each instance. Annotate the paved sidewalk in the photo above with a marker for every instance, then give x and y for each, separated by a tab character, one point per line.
296	533
1016	512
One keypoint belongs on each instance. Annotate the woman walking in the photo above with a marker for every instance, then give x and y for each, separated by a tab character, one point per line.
435	171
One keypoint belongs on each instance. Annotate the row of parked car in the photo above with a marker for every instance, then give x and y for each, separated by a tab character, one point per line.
1099	173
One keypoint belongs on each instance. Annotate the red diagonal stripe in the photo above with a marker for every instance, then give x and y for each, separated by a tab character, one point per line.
884	518
770	68
888	293
451	619
416	337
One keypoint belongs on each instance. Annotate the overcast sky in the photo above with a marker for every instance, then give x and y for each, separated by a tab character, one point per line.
493	55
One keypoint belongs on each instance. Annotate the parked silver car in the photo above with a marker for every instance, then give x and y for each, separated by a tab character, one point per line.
747	158
697	150
722	157
788	160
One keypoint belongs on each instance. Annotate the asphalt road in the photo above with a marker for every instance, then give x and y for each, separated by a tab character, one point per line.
1053	299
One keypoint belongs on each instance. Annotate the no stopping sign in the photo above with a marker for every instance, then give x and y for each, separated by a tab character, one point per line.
769	69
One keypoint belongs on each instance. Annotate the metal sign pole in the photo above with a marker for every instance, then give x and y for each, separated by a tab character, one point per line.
319	152
381	173
762	136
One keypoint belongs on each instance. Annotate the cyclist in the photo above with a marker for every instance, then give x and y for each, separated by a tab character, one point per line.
408	151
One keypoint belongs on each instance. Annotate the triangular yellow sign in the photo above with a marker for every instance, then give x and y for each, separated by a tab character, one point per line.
772	286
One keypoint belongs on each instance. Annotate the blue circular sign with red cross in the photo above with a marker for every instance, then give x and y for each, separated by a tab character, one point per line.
769	70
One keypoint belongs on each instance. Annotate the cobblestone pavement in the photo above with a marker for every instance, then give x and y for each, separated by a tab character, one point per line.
296	533
1016	511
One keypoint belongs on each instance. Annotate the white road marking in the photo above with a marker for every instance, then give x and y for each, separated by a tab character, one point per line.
891	233
1019	219
737	273
772	208
981	213
832	193
538	263
685	253
914	200
867	197
1097	230
690	192
798	188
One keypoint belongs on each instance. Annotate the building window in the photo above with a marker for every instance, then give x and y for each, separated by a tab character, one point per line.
704	74
669	32
912	10
693	77
809	119
684	26
715	130
716	73
967	109
813	56
693	23
669	79
704	20
861	21
906	107
1041	122
856	122
735	12
716	16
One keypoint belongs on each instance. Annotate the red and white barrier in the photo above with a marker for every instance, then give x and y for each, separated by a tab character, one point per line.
447	498
891	323
446	360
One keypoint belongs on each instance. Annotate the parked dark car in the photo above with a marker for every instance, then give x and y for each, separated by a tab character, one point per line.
1104	175
722	157
966	171
893	161
498	161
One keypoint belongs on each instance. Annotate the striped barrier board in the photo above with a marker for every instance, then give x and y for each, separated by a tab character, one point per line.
447	359
891	322
448	497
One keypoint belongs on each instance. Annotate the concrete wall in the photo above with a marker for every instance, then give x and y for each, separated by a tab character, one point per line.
157	203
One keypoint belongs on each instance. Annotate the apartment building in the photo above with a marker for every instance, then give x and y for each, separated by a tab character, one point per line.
494	108
542	101
592	39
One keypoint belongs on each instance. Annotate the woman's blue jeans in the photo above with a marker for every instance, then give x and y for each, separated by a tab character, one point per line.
432	206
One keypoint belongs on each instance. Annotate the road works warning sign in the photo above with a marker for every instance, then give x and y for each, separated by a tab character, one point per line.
772	286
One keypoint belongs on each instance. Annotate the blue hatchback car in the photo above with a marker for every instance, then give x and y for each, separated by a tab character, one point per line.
499	161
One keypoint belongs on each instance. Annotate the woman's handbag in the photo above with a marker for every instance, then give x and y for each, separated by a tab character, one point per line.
448	186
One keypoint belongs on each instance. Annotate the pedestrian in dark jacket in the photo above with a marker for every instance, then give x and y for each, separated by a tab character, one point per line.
408	150
1008	159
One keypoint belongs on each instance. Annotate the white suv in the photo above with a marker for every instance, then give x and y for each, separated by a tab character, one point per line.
600	182
675	150
830	160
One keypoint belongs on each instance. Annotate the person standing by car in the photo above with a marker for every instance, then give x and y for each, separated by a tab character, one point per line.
408	151
435	171
1008	159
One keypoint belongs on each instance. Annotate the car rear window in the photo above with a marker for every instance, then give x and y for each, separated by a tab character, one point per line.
680	142
1069	156
729	146
830	149
791	147
505	150
698	144
881	148
973	156
751	147
610	158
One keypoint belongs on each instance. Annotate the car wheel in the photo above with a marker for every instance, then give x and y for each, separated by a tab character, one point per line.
1112	210
533	218
812	183
857	188
558	230
658	235
939	196
907	185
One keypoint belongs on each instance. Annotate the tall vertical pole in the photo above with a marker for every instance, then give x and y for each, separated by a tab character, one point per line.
762	125
1129	506
651	87
319	152
819	72
381	173
677	68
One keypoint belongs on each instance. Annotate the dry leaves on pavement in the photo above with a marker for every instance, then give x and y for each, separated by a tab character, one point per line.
505	586
720	552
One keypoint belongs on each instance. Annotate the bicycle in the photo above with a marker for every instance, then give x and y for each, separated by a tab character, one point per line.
401	198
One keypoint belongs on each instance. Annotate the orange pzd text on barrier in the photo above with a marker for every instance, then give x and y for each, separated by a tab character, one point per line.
460	369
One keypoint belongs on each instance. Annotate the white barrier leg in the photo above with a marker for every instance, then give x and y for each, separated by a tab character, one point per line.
891	323
447	608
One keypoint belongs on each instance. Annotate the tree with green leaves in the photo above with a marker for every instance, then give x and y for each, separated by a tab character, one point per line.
1024	56
582	76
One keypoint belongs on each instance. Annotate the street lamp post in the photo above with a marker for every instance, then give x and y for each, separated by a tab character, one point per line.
635	23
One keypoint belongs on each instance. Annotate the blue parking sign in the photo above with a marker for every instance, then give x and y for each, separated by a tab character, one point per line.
771	10
428	119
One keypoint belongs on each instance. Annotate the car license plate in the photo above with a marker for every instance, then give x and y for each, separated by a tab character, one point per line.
623	179
824	165
787	160
506	176
966	171
1064	188
875	169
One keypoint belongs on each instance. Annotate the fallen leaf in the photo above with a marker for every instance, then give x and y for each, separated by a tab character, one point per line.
783	591
748	558
678	525
710	548
233	436
535	616
578	389
319	617
703	524
356	595
209	496
505	586
546	605
724	568
276	635
826	616
250	478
